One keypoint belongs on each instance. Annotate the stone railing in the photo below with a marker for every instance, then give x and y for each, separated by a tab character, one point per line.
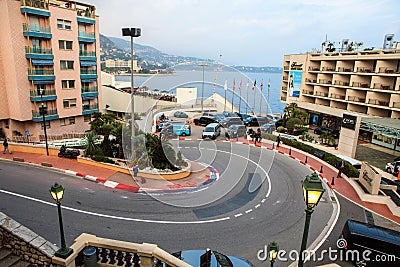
118	253
24	243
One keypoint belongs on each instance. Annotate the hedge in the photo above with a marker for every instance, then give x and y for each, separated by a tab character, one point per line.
104	159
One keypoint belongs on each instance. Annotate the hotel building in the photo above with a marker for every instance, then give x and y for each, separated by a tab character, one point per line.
48	62
362	86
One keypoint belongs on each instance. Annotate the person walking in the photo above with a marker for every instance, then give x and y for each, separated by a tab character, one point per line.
340	168
278	140
258	135
5	144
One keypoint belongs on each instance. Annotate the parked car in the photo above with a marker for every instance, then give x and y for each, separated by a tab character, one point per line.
180	114
356	163
211	131
332	132
256	121
216	259
218	117
228	121
268	127
386	181
235	131
243	116
182	129
204	120
279	123
391	167
160	126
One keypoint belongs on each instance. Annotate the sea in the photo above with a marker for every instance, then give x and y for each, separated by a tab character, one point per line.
216	79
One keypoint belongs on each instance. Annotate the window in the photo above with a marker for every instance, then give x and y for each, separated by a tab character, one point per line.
86	118
71	120
62	122
64	45
67	64
64	24
35	43
68	84
69	103
47	125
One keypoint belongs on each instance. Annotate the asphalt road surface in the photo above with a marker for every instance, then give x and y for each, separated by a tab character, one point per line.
257	199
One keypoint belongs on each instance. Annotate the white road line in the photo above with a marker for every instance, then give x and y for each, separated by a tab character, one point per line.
112	216
262	201
248	211
257	206
238	215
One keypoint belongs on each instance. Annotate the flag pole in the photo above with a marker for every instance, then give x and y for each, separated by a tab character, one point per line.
269	86
261	96
247	95
225	88
254	102
233	92
240	94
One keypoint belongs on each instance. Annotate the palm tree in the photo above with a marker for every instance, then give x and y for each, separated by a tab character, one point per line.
91	148
160	152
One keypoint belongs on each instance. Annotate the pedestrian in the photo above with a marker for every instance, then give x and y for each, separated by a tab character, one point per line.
278	140
340	168
258	135
5	144
135	170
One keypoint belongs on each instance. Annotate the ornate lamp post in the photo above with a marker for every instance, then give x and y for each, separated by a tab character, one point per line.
313	190
57	193
273	249
132	32
43	112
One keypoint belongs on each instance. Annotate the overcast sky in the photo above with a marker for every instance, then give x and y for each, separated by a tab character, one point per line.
249	32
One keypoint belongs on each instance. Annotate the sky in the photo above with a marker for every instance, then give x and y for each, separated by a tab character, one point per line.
249	32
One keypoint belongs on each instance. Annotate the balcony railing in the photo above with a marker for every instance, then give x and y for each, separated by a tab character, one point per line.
356	99
324	81
87	53
338	96
88	71
90	107
38	50
312	68
308	92
343	69
89	89
360	84
86	35
284	88
32	28
386	70
43	4
311	80
364	69
286	68
285	78
383	86
283	98
49	112
328	69
35	93
319	93
342	83
87	13
40	72
378	102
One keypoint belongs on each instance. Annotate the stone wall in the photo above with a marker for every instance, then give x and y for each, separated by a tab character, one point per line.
23	242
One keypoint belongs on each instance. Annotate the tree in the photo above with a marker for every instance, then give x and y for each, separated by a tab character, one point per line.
91	148
293	123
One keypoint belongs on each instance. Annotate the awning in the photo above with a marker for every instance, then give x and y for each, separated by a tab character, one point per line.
88	63
44	82
42	62
88	80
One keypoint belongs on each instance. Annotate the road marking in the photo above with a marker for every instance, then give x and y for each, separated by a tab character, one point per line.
262	201
238	215
247	211
257	206
112	216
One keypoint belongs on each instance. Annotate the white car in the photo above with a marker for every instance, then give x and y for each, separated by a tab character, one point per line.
390	166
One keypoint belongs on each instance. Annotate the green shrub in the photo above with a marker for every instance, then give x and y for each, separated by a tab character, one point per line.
268	136
280	129
100	158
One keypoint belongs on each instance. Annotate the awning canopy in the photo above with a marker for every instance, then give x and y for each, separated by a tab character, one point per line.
88	80
42	62
44	82
88	63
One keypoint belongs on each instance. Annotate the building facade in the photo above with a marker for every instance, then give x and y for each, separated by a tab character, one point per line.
330	85
111	63
48	64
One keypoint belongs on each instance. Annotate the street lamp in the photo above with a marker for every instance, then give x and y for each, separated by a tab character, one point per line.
132	32
313	190
57	193
273	249
202	87
43	112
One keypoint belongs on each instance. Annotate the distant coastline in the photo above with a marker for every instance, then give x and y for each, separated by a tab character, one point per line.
144	75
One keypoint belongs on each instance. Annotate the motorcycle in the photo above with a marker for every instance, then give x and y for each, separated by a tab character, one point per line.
68	153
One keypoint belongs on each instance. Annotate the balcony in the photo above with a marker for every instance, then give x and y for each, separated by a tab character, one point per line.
51	115
396	105
386	70
89	92
328	69
378	102
313	68
36	31
319	93
344	69
360	85
383	86
40	74
341	83
35	7
284	78
324	81
356	99
364	70
89	109
88	74
307	92
38	53
284	89
87	55
311	80
86	37
338	96
48	95
286	68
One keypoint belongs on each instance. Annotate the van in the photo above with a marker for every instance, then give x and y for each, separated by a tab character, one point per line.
380	245
356	163
211	131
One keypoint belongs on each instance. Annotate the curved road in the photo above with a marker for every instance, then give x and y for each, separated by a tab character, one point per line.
257	199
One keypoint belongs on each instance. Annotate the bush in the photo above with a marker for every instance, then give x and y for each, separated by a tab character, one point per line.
280	129
100	158
293	124
268	136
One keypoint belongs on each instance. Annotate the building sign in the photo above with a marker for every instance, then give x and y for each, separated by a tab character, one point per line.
294	82
370	178
349	121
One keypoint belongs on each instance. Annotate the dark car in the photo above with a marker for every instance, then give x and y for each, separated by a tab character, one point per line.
243	116
228	121
214	258
204	120
332	132
268	127
256	121
235	131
